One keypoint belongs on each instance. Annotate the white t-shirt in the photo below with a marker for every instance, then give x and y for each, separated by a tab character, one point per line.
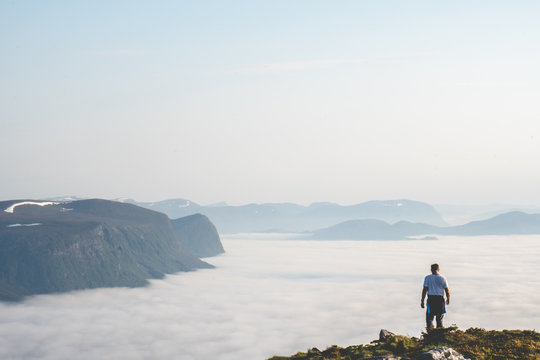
435	284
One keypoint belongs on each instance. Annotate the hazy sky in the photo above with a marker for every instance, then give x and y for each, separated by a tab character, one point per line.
256	101
280	297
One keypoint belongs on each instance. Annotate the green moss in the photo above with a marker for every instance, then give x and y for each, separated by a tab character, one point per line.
481	344
474	343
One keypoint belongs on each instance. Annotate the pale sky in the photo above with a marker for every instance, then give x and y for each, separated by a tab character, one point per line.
270	101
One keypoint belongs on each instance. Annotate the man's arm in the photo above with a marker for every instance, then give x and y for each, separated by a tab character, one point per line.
424	292
447	291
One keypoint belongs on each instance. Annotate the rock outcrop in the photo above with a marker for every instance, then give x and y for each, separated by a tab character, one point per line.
384	334
436	344
442	353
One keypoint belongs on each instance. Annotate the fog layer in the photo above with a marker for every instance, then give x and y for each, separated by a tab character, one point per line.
269	296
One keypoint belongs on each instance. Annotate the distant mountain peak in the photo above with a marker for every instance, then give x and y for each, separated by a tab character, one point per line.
323	203
291	217
515	222
218	204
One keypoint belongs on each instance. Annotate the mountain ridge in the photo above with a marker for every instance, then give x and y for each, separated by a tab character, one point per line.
511	223
291	217
83	244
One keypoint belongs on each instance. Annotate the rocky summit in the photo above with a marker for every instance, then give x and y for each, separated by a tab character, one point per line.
436	344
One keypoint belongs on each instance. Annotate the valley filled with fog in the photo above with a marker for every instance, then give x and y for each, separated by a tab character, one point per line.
274	294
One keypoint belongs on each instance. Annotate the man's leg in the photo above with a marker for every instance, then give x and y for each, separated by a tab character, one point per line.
429	320
439	318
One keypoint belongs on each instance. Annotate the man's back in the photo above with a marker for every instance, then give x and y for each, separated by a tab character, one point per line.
436	284
435	287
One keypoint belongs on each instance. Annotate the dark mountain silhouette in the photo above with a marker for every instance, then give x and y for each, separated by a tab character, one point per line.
288	217
85	244
505	224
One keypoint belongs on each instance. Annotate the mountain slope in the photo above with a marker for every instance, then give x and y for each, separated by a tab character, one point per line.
85	244
515	222
198	235
370	229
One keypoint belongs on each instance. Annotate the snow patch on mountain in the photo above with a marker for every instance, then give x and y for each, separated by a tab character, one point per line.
17	225
12	207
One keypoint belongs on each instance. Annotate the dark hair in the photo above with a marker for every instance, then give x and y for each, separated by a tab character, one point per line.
434	267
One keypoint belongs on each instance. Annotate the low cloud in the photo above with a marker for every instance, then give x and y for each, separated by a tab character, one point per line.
271	296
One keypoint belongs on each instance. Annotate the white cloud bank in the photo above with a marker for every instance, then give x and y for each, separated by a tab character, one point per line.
277	297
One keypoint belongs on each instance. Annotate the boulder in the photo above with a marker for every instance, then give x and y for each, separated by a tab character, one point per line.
383	334
442	353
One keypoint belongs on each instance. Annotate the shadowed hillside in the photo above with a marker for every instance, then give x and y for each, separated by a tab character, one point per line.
57	247
198	235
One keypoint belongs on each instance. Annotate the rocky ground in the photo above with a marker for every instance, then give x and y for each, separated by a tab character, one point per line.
437	344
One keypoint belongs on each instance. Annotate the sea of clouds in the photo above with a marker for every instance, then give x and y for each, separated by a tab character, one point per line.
272	296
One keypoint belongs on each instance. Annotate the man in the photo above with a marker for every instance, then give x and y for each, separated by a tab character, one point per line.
435	286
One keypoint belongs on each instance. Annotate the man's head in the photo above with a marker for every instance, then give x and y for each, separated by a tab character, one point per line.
434	268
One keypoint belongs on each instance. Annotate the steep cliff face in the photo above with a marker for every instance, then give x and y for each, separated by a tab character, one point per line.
85	244
198	235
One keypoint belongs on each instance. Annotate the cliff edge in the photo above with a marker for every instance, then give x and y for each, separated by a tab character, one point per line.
48	247
438	344
198	235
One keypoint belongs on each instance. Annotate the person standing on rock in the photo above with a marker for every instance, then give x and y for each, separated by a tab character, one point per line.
435	286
